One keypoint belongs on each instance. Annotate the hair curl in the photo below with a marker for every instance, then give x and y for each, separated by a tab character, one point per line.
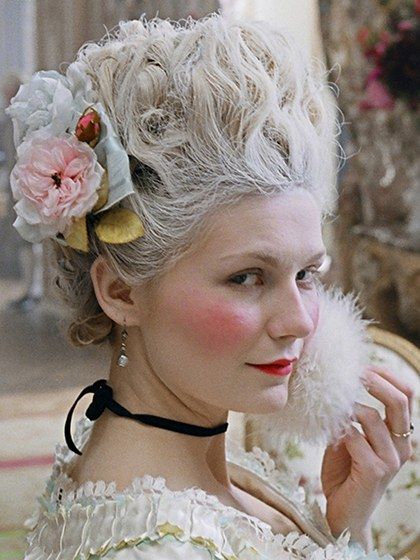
209	111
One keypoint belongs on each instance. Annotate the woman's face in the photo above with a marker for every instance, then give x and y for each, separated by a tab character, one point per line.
245	295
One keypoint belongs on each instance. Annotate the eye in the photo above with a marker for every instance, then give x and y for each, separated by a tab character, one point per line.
306	276
241	279
311	275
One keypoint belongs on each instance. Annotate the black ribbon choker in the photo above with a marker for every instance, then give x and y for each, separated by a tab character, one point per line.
102	399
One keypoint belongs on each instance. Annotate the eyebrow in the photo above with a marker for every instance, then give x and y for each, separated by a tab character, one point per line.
269	258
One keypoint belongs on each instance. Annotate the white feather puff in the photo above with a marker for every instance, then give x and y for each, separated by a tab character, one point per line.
326	380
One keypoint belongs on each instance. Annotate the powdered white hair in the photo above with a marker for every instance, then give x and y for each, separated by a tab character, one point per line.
209	111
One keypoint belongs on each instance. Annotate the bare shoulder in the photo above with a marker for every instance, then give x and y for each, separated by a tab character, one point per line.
101	463
84	470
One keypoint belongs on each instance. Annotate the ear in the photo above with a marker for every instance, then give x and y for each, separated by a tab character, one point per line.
113	294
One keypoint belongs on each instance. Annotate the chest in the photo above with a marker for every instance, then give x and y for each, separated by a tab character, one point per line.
251	505
268	504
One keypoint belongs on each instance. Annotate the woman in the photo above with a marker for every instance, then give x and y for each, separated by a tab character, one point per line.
181	175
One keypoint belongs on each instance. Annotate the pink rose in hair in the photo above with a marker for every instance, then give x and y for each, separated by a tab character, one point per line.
55	181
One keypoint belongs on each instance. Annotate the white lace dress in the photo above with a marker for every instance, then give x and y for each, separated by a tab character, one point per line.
148	521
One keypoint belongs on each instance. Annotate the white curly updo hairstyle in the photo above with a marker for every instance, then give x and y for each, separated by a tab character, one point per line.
209	111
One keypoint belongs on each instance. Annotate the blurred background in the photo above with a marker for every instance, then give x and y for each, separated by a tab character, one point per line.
372	51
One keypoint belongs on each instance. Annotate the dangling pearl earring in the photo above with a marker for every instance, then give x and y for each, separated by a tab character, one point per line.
122	358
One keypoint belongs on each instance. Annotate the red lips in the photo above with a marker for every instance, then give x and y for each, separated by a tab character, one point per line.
280	371
282	362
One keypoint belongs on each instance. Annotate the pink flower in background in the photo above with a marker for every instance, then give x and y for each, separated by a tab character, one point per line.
377	95
405	25
374	45
54	181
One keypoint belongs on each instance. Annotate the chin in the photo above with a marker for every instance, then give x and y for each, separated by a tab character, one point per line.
268	402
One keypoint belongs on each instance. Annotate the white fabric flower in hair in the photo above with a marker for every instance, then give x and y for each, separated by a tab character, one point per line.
45	101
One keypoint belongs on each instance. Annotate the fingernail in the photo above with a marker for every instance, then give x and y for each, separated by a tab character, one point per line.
366	383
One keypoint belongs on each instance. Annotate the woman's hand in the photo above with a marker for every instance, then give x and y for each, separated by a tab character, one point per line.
356	471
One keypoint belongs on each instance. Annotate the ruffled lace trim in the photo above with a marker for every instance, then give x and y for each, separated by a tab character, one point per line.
94	517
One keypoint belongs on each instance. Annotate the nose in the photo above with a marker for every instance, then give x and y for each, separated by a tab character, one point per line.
289	316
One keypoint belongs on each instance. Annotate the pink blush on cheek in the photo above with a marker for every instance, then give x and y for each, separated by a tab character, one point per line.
217	327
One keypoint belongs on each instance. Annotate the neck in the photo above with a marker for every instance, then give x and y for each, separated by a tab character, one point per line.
184	460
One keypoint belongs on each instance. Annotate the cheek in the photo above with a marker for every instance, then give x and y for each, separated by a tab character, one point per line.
214	326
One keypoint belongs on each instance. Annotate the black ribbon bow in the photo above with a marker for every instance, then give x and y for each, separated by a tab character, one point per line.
102	395
103	398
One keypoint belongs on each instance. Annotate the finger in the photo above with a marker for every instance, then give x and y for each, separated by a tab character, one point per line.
367	470
397	413
364	458
358	446
377	434
402	385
